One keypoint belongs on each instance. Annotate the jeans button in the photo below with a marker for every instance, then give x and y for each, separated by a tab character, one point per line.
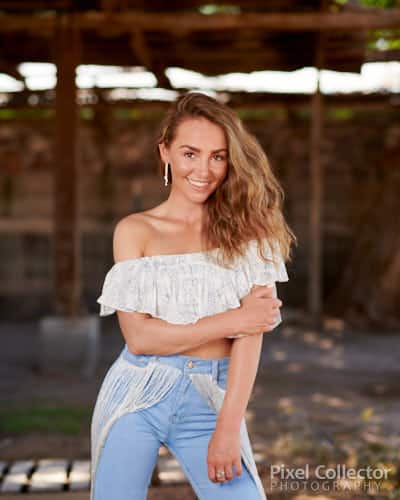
190	364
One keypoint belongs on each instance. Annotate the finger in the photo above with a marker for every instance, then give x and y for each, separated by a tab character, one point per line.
222	478
228	472
211	472
237	463
264	291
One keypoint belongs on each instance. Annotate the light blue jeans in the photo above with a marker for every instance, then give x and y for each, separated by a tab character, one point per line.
182	419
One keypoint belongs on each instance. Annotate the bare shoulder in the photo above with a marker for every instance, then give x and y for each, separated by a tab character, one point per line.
130	236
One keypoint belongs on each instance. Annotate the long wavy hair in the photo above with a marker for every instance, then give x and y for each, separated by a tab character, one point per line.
248	204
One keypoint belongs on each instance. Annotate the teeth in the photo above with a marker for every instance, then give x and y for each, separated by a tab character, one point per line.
198	183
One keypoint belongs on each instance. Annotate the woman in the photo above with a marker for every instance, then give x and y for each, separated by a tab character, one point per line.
190	288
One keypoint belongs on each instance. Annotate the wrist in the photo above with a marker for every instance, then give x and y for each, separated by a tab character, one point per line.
228	424
234	322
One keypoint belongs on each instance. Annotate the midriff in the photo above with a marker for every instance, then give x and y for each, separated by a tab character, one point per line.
218	348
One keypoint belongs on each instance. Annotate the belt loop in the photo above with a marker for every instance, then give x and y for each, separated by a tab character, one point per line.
214	369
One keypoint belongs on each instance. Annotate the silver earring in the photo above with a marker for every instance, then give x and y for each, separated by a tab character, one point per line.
166	175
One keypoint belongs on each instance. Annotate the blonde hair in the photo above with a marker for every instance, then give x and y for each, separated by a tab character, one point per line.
248	203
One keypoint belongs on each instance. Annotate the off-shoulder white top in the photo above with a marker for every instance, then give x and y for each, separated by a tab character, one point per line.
184	287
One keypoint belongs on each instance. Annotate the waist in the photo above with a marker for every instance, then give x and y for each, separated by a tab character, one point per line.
185	363
218	348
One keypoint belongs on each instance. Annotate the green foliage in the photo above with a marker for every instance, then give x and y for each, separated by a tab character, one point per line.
87	113
385	40
379	4
136	114
340	113
261	113
212	8
26	114
44	417
382	4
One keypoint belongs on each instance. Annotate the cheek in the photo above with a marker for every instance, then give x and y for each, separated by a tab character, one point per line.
220	171
182	167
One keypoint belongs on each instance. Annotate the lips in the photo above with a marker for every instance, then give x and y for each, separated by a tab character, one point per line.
199	185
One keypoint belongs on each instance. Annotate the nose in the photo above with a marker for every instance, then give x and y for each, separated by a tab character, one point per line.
202	170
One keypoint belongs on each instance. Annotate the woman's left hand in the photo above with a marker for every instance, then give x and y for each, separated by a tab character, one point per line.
223	452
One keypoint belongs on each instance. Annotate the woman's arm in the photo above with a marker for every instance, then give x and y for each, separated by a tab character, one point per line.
147	335
224	446
242	371
144	334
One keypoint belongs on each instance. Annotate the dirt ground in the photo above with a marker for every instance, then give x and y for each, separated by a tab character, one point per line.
319	398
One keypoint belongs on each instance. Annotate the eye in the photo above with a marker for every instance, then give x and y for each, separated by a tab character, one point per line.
188	153
222	158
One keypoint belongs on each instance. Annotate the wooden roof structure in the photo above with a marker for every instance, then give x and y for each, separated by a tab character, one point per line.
213	39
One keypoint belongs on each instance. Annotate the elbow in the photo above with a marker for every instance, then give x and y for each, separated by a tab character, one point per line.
134	332
134	341
136	346
134	350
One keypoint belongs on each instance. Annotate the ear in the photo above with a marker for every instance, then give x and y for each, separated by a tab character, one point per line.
163	152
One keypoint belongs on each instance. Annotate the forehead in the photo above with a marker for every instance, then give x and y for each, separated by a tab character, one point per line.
196	131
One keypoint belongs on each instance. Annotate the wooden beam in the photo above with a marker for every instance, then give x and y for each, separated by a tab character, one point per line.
28	5
143	54
181	23
238	100
66	248
141	49
315	263
109	5
356	101
11	69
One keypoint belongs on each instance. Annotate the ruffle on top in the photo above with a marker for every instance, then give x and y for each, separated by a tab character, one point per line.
182	288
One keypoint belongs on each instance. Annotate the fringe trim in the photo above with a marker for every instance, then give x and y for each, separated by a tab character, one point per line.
126	388
214	395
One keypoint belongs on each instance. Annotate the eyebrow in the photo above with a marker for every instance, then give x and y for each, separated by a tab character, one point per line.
198	150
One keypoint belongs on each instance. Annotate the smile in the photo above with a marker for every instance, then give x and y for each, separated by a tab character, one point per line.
198	184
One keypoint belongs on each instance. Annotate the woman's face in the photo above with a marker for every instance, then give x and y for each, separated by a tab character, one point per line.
198	157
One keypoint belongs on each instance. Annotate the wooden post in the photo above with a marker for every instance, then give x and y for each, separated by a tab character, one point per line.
316	190
66	248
